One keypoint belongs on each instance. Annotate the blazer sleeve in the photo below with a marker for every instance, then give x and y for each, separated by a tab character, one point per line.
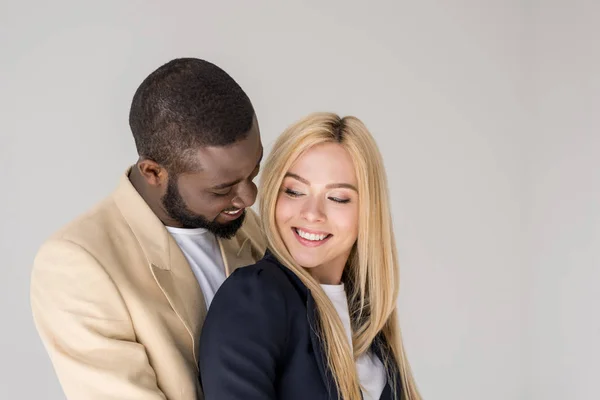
243	337
86	329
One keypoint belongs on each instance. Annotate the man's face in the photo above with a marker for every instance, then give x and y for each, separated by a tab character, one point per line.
216	197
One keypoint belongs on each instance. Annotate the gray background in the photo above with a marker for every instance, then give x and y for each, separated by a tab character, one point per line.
486	113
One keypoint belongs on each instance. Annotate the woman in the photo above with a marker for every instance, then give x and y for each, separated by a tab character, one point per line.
316	318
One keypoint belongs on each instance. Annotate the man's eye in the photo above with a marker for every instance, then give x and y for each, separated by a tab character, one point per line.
222	193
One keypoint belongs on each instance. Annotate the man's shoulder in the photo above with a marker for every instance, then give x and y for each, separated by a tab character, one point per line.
104	223
91	225
97	231
70	254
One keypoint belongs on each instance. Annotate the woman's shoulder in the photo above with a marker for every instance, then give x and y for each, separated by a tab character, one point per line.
267	277
266	271
253	300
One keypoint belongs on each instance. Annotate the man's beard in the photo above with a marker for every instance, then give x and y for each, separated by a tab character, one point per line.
176	208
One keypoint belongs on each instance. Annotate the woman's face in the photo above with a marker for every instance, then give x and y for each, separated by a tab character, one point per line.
317	211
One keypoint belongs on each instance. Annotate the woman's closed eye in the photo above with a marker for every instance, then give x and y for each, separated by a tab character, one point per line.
295	194
339	200
292	193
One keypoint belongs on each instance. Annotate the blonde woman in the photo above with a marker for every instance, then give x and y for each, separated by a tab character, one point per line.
316	318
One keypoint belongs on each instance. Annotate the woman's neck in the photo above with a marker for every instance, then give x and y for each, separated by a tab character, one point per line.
327	274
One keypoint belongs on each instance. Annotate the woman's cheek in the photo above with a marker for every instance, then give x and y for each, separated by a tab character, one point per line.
283	210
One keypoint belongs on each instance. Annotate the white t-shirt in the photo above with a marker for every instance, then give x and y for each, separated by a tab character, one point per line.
371	372
202	252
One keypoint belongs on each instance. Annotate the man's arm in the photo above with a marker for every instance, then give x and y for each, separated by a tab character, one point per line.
86	329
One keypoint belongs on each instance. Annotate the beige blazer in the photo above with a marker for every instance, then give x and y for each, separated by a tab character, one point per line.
117	306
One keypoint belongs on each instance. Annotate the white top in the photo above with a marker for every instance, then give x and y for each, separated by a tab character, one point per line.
202	252
371	372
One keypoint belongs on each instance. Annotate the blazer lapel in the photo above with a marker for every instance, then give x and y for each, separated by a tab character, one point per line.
246	247
236	253
167	263
378	345
318	349
180	286
313	327
378	348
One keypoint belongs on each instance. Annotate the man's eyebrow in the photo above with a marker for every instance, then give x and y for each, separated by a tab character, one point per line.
226	185
232	183
330	186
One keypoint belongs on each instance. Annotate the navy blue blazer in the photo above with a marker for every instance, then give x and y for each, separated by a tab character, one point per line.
258	341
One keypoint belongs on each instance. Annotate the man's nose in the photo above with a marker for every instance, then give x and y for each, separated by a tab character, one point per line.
246	196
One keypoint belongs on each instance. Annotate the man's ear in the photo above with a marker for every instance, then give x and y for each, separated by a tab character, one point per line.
154	174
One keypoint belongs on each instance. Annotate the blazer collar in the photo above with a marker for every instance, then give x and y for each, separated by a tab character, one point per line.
156	242
378	346
166	261
145	225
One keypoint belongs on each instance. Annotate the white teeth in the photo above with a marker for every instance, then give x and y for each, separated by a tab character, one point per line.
231	212
310	236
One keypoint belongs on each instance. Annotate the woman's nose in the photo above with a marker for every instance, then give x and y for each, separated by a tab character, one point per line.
312	211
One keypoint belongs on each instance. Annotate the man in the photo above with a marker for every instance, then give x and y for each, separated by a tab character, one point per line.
119	295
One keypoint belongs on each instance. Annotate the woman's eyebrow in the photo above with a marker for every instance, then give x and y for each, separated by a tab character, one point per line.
330	186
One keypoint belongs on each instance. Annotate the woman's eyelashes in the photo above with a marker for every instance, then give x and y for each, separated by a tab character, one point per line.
339	200
292	193
295	194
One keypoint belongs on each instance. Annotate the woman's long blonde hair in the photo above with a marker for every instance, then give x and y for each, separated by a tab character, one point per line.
371	274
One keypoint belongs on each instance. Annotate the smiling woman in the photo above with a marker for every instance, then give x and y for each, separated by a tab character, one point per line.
329	282
317	211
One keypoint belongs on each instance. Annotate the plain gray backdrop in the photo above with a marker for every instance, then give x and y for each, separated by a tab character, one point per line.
486	113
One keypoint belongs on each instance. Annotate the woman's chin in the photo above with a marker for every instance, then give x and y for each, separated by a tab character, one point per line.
306	263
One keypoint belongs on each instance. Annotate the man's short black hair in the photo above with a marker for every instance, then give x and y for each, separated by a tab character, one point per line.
185	104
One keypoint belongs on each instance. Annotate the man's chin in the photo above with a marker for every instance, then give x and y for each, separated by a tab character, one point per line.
227	230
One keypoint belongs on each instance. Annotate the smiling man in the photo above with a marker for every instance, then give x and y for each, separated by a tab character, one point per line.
119	295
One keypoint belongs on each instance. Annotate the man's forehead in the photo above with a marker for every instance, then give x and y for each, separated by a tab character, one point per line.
236	161
247	150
